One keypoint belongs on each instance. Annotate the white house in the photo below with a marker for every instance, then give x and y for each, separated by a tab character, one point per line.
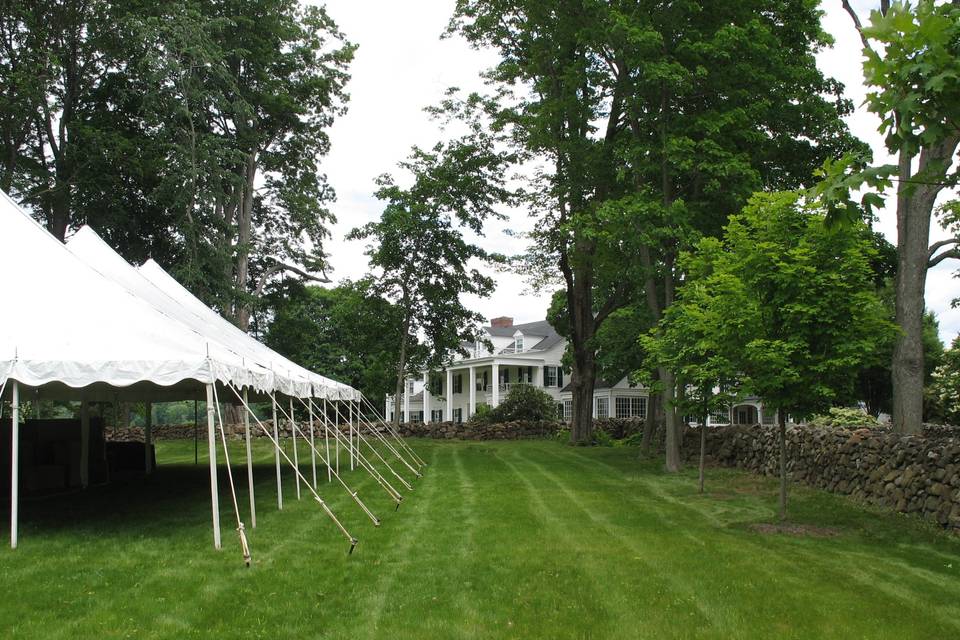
529	354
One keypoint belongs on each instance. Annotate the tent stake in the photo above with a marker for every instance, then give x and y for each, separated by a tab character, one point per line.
246	432
212	448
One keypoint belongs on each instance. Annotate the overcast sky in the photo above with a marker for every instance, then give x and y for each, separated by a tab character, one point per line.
402	66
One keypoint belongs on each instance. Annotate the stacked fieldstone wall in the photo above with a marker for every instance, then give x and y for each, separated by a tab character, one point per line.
186	431
520	430
910	474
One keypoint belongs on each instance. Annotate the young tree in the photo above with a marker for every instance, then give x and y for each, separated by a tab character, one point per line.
650	119
419	254
697	340
912	64
801	310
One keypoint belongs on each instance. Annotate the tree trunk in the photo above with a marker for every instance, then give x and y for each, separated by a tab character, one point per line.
244	238
402	370
672	446
703	449
581	383
782	420
650	424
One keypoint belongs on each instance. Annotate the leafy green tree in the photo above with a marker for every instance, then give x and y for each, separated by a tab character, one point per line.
347	332
420	256
697	340
653	122
801	310
944	388
912	64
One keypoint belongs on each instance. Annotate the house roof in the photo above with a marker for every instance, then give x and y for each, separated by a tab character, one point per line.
597	385
538	328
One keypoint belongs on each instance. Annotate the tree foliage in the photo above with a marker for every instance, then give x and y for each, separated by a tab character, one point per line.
347	331
652	123
188	131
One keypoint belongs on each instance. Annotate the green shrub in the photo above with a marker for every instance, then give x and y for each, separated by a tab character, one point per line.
844	417
601	438
524	402
562	435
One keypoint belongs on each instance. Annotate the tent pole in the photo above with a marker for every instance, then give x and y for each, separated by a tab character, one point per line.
14	462
326	438
148	438
336	425
212	446
246	433
84	443
313	448
351	436
293	434
276	451
196	426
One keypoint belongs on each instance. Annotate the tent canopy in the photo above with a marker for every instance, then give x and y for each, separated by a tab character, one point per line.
64	323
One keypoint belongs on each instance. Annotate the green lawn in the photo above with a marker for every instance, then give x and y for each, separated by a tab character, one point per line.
511	539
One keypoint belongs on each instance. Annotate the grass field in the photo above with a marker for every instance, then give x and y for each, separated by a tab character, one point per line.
498	540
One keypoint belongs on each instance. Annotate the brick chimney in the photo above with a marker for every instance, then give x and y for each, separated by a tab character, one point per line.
503	322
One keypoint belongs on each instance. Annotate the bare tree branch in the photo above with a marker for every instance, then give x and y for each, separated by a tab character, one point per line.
942	243
282	266
856	23
953	253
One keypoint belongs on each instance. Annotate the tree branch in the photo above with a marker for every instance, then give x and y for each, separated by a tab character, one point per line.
282	266
953	253
940	244
856	23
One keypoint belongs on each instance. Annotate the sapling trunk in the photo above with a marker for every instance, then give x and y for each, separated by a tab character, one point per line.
703	449
782	420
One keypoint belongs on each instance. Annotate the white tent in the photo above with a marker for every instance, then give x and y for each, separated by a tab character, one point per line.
64	324
91	249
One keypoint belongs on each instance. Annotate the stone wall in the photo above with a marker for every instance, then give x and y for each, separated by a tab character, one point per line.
520	430
186	431
910	474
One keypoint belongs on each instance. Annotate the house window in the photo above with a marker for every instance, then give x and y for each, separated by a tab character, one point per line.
458	383
568	410
410	387
518	343
720	417
416	416
458	415
603	407
436	415
560	410
526	374
551	377
630	407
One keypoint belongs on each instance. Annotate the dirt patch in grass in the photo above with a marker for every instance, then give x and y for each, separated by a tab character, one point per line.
795	529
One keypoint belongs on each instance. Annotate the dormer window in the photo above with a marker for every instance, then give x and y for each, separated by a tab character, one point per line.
518	342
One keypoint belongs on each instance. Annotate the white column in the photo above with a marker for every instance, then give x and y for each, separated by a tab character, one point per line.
212	448
246	435
449	395
426	397
495	394
406	401
148	438
84	443
537	380
473	390
276	450
14	462
296	458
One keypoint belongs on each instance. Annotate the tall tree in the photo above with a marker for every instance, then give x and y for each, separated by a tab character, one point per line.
651	120
420	254
912	65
